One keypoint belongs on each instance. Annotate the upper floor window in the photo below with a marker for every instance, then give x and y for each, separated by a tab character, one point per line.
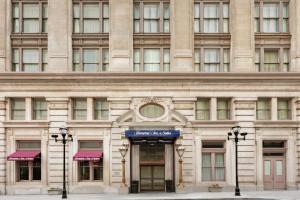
211	17
90	17
151	60
272	17
29	17
101	109
203	109
91	59
223	109
283	109
79	109
272	59
212	59
29	59
17	106
39	109
263	109
151	17
98	109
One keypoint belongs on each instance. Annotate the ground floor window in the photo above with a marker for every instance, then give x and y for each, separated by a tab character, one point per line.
29	170
213	161
90	170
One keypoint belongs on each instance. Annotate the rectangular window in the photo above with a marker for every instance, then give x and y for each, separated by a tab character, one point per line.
31	18
203	109
212	59
90	17
39	109
154	60
91	170
283	109
91	60
101	109
213	161
223	109
272	17
29	170
272	60
152	17
211	17
31	60
17	108
263	109
79	109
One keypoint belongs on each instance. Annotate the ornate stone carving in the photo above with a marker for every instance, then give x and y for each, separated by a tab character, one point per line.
58	105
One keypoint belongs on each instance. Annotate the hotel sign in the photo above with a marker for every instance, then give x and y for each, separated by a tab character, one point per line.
152	133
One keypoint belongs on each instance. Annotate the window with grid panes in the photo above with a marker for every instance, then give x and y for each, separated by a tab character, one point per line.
211	17
29	17
90	170
274	60
101	109
272	16
17	108
151	60
90	17
263	109
79	109
151	17
29	59
213	161
29	170
91	60
283	109
212	59
39	109
203	109
223	109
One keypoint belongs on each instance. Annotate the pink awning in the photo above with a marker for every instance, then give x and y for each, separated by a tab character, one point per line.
88	155
24	155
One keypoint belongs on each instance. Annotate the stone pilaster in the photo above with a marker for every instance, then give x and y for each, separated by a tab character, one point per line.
59	35
242	35
2	147
182	34
120	37
58	115
245	116
298	142
3	34
295	32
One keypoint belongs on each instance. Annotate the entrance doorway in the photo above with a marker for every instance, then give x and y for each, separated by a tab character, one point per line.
152	167
274	165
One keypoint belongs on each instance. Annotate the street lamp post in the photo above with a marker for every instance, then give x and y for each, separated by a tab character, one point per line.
65	138
180	150
123	150
234	135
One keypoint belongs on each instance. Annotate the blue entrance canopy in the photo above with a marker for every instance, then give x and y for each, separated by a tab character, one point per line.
152	133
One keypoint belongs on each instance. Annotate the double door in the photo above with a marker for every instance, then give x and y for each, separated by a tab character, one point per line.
274	173
152	177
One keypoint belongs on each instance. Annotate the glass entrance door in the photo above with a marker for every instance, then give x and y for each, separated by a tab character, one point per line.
152	167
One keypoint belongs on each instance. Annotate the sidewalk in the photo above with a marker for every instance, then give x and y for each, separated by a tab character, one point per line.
271	195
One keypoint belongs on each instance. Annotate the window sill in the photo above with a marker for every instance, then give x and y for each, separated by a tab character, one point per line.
29	35
26	124
276	124
92	35
214	123
88	123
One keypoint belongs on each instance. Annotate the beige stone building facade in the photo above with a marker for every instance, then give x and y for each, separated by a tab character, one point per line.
109	68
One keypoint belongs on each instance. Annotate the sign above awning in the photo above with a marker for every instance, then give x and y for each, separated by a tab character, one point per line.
24	155
152	133
82	155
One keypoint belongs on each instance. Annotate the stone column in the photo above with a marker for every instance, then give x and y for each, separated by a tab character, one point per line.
294	19
169	150
298	140
245	116
135	162
120	37
242	35
58	115
291	162
198	158
182	35
59	35
3	34
3	152
259	161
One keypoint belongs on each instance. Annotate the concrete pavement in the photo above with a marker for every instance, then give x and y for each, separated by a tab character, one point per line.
270	195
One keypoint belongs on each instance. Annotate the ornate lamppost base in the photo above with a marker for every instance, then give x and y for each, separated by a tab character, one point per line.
64	194
237	192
